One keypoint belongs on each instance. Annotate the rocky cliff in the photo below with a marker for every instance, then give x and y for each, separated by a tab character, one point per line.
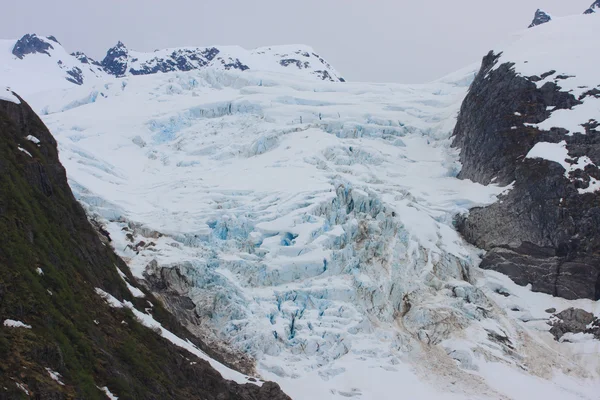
593	8
540	17
59	338
545	230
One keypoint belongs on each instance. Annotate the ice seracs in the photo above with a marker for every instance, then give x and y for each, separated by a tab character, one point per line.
309	224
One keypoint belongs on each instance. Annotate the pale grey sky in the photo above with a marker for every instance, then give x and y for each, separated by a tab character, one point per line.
366	40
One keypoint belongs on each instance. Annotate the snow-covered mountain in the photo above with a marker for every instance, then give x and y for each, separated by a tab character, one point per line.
36	63
311	225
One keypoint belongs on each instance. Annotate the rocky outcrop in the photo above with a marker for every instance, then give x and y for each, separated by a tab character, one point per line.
543	231
84	59
31	44
540	17
574	321
172	284
58	338
115	62
178	60
594	8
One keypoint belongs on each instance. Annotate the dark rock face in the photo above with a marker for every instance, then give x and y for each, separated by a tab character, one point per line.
574	320
234	64
115	62
51	262
84	59
542	232
498	101
118	62
31	44
593	8
178	60
540	17
290	61
75	76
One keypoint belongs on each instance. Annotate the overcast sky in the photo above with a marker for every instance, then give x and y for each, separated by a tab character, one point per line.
366	40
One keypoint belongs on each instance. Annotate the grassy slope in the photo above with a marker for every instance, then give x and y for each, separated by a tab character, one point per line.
74	331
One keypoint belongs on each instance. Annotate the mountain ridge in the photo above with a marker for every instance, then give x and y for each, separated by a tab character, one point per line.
78	68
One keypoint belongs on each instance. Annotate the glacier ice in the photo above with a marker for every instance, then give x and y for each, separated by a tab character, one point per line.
310	223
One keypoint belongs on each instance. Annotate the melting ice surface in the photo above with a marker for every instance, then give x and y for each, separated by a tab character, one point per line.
313	225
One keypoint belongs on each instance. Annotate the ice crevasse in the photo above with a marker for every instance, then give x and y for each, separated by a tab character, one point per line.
311	225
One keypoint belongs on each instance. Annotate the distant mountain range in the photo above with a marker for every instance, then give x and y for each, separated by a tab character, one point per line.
43	62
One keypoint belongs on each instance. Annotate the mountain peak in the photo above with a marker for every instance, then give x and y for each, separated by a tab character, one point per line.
593	8
31	44
53	38
116	58
540	17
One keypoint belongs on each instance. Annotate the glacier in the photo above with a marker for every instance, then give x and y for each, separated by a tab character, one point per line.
311	223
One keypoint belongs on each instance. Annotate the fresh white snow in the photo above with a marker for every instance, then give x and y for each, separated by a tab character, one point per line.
24	151
566	46
22	388
11	323
133	290
33	139
557	152
7	95
55	376
108	393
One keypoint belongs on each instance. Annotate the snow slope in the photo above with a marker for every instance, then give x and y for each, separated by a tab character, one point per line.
312	223
38	72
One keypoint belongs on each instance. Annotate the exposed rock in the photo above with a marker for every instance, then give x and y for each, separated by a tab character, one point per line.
575	320
178	60
31	44
540	17
542	231
75	333
290	61
234	64
84	59
172	285
593	8
75	76
498	101
115	62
